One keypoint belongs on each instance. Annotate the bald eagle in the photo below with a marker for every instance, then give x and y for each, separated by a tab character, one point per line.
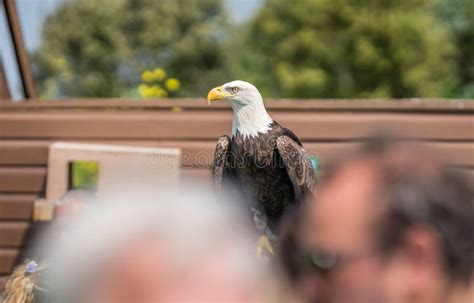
265	161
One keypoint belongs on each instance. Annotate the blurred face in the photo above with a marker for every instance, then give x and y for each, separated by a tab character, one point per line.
338	233
144	272
138	273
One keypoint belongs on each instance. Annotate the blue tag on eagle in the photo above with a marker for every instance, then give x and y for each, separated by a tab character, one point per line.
315	162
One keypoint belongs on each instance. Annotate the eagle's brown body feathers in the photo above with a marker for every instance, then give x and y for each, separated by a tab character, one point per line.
272	169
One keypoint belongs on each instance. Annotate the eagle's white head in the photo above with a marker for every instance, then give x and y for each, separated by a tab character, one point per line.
250	116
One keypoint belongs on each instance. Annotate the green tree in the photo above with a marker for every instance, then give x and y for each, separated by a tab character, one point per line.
458	15
245	63
99	48
357	48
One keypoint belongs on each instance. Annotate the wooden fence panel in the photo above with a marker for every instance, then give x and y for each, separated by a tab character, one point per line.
16	206
329	129
22	179
209	125
8	257
199	153
12	233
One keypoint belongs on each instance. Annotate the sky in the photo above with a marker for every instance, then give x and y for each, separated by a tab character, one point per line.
32	14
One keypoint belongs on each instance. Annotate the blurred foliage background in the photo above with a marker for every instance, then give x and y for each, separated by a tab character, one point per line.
83	174
300	48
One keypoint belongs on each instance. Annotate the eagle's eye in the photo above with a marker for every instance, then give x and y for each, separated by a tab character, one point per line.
235	89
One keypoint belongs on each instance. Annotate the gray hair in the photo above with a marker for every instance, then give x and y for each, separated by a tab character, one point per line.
186	224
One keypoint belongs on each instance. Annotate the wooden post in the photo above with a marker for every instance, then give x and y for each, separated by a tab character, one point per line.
4	90
20	50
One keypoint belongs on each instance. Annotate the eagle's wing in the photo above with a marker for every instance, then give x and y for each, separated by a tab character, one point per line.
221	166
298	166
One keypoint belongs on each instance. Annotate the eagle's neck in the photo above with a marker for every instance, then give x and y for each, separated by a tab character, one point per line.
250	120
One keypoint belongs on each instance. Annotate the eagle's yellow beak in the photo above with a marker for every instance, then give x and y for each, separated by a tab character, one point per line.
217	94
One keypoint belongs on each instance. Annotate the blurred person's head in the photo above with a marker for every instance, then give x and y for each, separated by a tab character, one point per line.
154	246
71	203
389	224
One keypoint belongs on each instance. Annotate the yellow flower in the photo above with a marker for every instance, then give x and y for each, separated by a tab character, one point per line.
159	74
145	90
157	91
147	76
172	84
141	89
162	93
